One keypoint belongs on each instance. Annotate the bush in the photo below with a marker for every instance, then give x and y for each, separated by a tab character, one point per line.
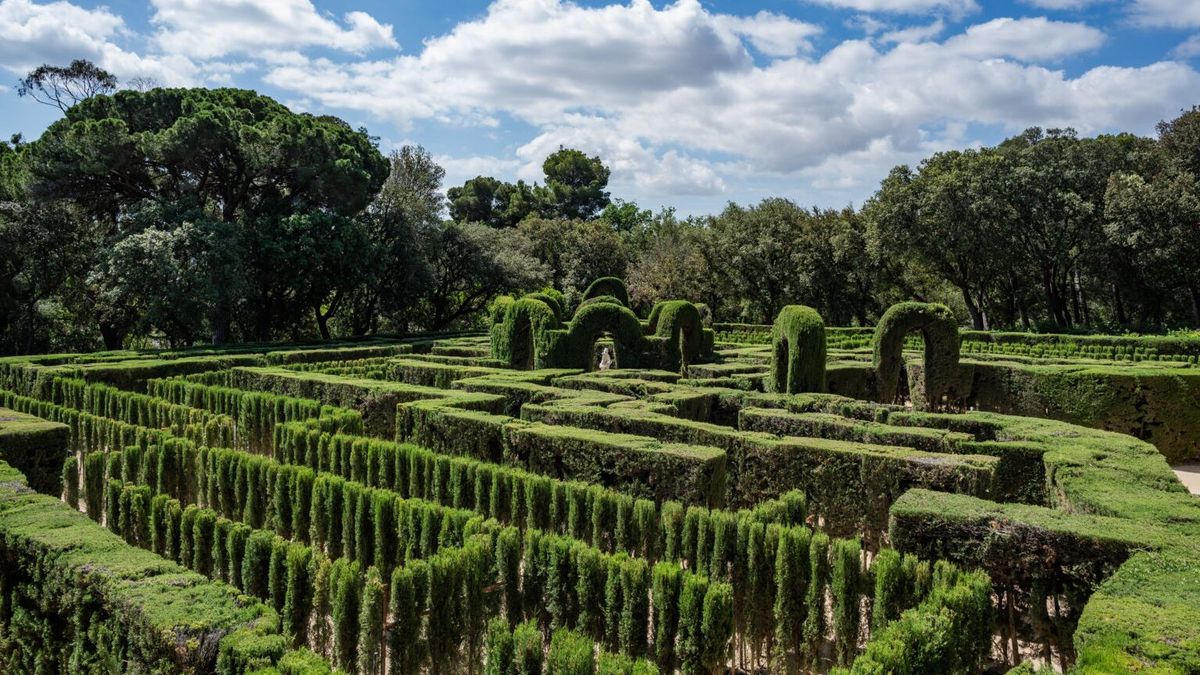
798	351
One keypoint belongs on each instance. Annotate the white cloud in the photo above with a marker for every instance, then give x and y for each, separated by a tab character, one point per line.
1167	13
59	32
1035	39
1188	48
772	34
954	7
679	106
1063	4
214	28
914	33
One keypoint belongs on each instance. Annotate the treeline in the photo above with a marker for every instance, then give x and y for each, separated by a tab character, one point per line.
171	217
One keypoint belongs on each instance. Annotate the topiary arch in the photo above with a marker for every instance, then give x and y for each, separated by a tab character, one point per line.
519	340
939	330
798	351
678	321
608	286
531	336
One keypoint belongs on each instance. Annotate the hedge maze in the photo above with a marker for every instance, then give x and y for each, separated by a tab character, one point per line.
495	503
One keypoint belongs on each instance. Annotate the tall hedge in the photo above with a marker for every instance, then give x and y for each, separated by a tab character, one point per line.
939	330
798	351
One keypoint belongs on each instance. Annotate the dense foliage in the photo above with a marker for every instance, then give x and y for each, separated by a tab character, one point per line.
170	217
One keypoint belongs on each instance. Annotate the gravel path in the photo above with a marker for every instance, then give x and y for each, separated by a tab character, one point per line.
1189	475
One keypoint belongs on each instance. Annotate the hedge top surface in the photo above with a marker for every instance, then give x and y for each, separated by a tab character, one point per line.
613	286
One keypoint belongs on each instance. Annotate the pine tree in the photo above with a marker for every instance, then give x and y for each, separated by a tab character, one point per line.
498	649
814	599
508	567
889	588
345	590
635	608
570	654
791	585
589	590
406	623
527	649
298	599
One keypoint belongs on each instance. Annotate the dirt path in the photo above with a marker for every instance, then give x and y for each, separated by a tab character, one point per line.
1189	475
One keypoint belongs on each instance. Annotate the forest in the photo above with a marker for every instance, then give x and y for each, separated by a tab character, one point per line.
153	217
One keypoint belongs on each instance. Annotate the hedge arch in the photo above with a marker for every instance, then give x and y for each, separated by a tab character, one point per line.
520	340
574	349
550	301
798	351
608	286
938	329
679	322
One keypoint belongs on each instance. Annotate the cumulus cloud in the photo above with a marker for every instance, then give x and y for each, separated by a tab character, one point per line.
1036	39
1188	48
1167	13
678	88
914	33
954	7
59	32
1063	4
772	34
214	28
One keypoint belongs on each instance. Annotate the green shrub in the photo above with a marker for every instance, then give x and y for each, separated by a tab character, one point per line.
570	654
798	351
939	330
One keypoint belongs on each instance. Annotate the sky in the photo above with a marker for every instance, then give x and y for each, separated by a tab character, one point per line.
692	104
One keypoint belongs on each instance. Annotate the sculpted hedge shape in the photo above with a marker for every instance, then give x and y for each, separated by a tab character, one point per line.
798	351
939	330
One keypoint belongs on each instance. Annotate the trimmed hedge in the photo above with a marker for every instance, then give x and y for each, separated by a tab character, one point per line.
798	351
77	597
38	449
939	330
611	286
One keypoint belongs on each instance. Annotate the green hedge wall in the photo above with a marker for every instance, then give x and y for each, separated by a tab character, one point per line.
77	598
35	447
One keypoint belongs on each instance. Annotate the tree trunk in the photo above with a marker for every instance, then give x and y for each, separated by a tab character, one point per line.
1053	306
322	323
972	309
1118	306
1194	292
114	336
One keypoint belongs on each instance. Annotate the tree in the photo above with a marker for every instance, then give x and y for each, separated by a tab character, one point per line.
1158	223
576	252
1180	139
487	200
953	216
470	265
575	185
286	184
64	87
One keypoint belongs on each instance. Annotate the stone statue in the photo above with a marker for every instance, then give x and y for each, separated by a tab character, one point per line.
606	359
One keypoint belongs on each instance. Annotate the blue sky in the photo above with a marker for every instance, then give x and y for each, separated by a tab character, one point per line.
692	103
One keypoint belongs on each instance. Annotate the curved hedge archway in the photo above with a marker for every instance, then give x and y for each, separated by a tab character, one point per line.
938	329
798	351
519	341
608	286
679	322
